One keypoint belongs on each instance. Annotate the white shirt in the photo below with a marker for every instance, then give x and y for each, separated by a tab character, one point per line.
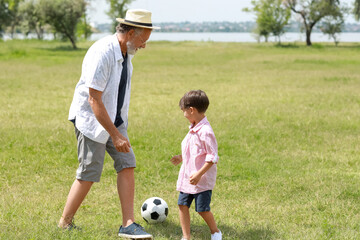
101	70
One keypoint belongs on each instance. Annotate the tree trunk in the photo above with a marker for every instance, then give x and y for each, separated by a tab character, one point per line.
39	32
73	42
308	35
12	31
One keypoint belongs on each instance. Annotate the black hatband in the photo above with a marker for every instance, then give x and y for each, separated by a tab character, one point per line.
139	23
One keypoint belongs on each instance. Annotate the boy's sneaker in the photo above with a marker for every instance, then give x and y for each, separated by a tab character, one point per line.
216	236
134	231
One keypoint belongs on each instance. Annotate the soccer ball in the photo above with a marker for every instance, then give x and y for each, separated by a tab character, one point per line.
154	210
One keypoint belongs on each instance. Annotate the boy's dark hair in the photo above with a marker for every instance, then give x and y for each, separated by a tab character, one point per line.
196	99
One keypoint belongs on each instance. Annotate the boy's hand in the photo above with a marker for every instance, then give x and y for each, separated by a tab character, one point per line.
176	159
195	178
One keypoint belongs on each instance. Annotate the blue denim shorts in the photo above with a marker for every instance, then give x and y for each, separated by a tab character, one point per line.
202	200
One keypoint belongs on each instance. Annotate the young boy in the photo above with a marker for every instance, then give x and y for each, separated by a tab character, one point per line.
199	156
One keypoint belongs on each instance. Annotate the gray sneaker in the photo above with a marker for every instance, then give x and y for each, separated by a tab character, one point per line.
134	231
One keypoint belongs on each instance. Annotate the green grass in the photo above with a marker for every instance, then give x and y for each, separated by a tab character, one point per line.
286	120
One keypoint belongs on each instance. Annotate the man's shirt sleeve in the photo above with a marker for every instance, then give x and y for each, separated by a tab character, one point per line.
97	70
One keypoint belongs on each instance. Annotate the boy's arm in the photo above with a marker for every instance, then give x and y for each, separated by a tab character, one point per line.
195	178
176	159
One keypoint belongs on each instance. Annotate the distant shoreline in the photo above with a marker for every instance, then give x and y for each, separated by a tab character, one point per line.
217	37
246	27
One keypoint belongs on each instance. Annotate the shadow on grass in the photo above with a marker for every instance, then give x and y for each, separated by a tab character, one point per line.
318	45
287	45
170	230
63	49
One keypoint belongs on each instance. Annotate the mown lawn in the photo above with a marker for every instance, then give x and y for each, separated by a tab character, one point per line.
287	122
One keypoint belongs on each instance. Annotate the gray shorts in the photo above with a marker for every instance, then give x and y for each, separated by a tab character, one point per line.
91	156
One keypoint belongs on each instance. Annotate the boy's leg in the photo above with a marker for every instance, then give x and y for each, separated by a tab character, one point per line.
185	221
202	206
184	203
126	189
210	221
77	193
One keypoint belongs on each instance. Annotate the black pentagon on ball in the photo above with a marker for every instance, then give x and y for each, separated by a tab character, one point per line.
154	215
157	202
166	211
144	207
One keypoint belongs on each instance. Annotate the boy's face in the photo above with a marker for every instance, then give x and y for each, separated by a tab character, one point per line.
189	113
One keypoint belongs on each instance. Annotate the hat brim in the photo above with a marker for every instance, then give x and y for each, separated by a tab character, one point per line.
123	21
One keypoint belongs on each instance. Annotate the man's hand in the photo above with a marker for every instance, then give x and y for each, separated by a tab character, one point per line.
121	143
176	159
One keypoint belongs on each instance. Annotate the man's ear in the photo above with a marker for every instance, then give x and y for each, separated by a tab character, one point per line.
130	33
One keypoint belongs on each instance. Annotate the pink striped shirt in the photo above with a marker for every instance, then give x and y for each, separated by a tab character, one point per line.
199	146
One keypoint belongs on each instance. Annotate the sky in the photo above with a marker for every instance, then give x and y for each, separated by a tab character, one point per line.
185	10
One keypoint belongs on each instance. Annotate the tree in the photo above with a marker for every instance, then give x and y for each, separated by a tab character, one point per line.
312	11
31	19
332	26
117	9
357	9
83	27
4	15
63	16
12	14
271	17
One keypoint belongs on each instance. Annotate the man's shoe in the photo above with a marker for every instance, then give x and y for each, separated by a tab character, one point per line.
72	227
216	236
134	231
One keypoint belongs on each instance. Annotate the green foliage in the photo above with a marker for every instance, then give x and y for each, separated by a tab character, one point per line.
357	9
83	28
286	121
332	26
4	15
272	16
118	9
312	11
63	16
31	17
9	14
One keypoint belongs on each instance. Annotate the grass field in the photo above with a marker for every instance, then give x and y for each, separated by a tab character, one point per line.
287	122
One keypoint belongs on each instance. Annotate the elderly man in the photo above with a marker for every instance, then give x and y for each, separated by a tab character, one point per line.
99	111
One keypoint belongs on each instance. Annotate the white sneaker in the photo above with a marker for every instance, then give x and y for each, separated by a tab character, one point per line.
216	236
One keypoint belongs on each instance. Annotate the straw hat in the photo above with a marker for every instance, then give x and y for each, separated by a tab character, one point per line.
138	18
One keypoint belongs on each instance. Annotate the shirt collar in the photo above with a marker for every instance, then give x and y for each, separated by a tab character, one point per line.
198	126
118	53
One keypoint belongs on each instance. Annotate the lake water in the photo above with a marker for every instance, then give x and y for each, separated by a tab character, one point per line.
240	37
221	37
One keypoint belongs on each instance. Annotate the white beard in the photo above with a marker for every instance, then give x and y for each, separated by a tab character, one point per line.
130	48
